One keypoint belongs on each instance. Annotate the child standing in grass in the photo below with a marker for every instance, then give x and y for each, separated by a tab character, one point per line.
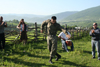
23	31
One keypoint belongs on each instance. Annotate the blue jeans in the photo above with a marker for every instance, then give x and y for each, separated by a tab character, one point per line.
65	46
95	43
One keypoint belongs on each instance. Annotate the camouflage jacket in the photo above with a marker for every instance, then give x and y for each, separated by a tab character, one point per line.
52	28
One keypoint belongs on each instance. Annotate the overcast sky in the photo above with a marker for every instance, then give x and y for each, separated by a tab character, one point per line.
45	7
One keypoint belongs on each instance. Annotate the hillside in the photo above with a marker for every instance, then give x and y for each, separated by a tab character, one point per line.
88	14
84	18
26	17
36	18
62	15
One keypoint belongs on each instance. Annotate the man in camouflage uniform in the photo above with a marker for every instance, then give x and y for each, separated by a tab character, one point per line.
52	28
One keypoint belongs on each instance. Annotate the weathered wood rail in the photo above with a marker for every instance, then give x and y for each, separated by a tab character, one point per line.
34	33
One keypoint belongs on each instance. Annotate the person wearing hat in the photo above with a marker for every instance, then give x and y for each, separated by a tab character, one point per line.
63	40
52	28
2	36
95	34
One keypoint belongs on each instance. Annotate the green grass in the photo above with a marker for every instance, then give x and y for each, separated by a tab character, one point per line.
36	54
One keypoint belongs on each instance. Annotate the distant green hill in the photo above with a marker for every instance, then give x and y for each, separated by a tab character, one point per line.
37	18
61	15
83	18
88	14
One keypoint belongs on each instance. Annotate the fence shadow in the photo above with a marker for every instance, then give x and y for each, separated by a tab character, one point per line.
89	52
17	61
72	64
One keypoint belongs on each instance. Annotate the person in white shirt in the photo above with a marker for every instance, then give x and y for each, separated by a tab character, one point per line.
63	39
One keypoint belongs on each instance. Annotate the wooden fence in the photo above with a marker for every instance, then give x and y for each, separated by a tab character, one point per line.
36	35
78	33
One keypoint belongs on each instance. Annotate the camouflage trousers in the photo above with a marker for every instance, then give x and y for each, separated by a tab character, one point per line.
52	45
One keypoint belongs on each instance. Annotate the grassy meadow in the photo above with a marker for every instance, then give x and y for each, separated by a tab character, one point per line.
36	54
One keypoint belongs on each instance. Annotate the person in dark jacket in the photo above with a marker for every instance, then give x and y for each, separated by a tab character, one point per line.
2	36
95	33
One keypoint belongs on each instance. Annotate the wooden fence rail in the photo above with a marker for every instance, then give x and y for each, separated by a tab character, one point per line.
36	33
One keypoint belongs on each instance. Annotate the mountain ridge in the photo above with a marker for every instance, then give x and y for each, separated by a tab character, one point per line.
36	18
87	14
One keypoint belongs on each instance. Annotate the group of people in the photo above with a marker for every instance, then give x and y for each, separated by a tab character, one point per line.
21	26
52	28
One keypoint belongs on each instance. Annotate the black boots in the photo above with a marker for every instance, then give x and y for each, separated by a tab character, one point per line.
50	61
58	57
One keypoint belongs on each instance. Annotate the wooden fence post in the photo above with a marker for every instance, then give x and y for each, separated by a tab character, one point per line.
65	26
36	30
82	32
87	31
77	33
72	33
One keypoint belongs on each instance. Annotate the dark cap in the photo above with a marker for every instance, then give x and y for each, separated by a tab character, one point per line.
94	23
53	17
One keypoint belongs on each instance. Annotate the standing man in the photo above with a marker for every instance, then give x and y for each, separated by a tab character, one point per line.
2	36
52	28
95	33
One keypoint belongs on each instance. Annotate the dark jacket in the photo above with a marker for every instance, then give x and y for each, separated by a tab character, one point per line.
96	34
